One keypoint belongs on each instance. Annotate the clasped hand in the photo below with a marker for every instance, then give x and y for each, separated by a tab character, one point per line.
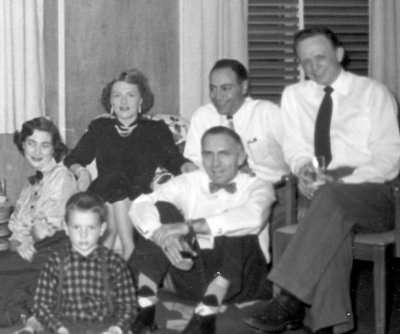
26	251
310	179
171	239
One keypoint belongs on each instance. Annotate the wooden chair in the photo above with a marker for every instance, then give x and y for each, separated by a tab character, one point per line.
375	247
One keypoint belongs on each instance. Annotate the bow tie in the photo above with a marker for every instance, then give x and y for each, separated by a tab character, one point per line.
230	187
36	178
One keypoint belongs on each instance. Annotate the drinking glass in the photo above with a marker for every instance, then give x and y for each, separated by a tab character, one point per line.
319	163
3	190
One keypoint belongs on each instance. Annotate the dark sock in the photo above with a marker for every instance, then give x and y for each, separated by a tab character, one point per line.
210	300
145	291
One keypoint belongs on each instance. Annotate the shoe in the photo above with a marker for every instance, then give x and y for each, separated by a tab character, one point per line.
144	321
199	324
282	313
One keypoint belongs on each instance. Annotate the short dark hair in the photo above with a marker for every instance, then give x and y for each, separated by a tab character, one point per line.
134	77
235	65
41	124
85	201
222	130
303	34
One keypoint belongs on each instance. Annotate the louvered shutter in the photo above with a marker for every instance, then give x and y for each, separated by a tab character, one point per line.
349	20
270	34
272	24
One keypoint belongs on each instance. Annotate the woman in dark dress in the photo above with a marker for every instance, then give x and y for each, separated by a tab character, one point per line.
128	149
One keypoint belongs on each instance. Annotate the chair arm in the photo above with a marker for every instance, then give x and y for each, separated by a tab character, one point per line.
395	185
290	199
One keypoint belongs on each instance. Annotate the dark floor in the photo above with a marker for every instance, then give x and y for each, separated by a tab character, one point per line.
363	291
364	298
230	321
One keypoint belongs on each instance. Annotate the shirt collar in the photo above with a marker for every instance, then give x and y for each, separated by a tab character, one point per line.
241	110
77	255
236	179
49	167
341	85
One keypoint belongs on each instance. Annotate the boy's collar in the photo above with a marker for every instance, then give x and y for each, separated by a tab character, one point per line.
77	251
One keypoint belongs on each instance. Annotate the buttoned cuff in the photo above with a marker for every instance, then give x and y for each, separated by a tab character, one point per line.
216	229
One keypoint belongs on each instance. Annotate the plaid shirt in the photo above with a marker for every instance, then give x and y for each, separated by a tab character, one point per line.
84	297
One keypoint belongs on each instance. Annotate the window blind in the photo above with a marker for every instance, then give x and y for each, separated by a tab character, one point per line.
272	24
272	65
349	20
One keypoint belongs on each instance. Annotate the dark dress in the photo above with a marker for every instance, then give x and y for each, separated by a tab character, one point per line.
126	165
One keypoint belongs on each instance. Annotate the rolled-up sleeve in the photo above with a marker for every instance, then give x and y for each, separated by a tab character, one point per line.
143	212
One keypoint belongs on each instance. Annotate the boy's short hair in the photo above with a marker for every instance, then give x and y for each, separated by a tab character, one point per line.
86	202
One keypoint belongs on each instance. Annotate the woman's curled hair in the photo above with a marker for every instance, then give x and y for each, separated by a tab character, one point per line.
41	124
134	77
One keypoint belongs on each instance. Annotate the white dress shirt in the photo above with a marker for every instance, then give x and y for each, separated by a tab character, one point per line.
364	127
241	213
259	125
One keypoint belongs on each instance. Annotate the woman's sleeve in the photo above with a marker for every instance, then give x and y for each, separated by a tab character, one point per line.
84	152
20	221
56	192
168	153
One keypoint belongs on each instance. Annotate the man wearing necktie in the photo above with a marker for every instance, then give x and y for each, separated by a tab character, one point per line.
210	246
351	121
257	122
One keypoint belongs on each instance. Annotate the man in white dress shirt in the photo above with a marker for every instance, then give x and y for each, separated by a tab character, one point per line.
210	246
257	122
361	147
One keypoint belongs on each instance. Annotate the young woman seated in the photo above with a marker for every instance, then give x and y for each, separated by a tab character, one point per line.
36	224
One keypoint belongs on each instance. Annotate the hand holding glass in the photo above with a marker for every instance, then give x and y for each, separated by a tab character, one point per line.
319	164
3	190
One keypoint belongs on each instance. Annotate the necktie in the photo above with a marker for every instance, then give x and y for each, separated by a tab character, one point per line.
230	187
322	138
36	178
232	127
230	122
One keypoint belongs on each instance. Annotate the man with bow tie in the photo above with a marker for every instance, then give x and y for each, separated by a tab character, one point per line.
201	228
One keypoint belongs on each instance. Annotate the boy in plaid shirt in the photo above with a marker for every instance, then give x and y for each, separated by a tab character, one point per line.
86	288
